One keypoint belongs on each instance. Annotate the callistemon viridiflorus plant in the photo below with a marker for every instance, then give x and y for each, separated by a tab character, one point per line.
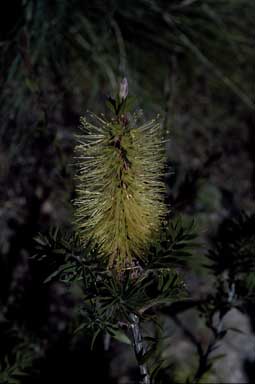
120	188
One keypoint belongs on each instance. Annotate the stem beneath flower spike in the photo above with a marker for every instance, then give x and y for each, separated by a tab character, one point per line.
138	347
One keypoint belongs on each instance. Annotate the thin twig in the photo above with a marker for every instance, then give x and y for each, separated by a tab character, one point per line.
138	347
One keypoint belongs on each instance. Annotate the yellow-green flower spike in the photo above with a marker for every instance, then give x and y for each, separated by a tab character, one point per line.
120	188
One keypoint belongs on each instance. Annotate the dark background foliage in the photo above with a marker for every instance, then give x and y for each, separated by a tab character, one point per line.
191	61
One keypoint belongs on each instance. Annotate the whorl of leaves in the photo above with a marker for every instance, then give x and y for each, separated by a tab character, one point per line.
120	191
106	299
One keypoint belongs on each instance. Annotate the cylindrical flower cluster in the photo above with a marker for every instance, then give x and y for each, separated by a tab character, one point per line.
120	187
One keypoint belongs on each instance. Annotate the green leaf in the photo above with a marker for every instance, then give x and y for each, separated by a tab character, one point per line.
127	105
121	336
80	328
94	338
55	274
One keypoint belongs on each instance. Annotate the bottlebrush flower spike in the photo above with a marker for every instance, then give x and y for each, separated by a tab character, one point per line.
120	191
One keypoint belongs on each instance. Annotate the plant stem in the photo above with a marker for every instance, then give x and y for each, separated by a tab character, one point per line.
138	347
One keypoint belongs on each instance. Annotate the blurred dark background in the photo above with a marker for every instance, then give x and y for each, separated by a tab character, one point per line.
191	61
